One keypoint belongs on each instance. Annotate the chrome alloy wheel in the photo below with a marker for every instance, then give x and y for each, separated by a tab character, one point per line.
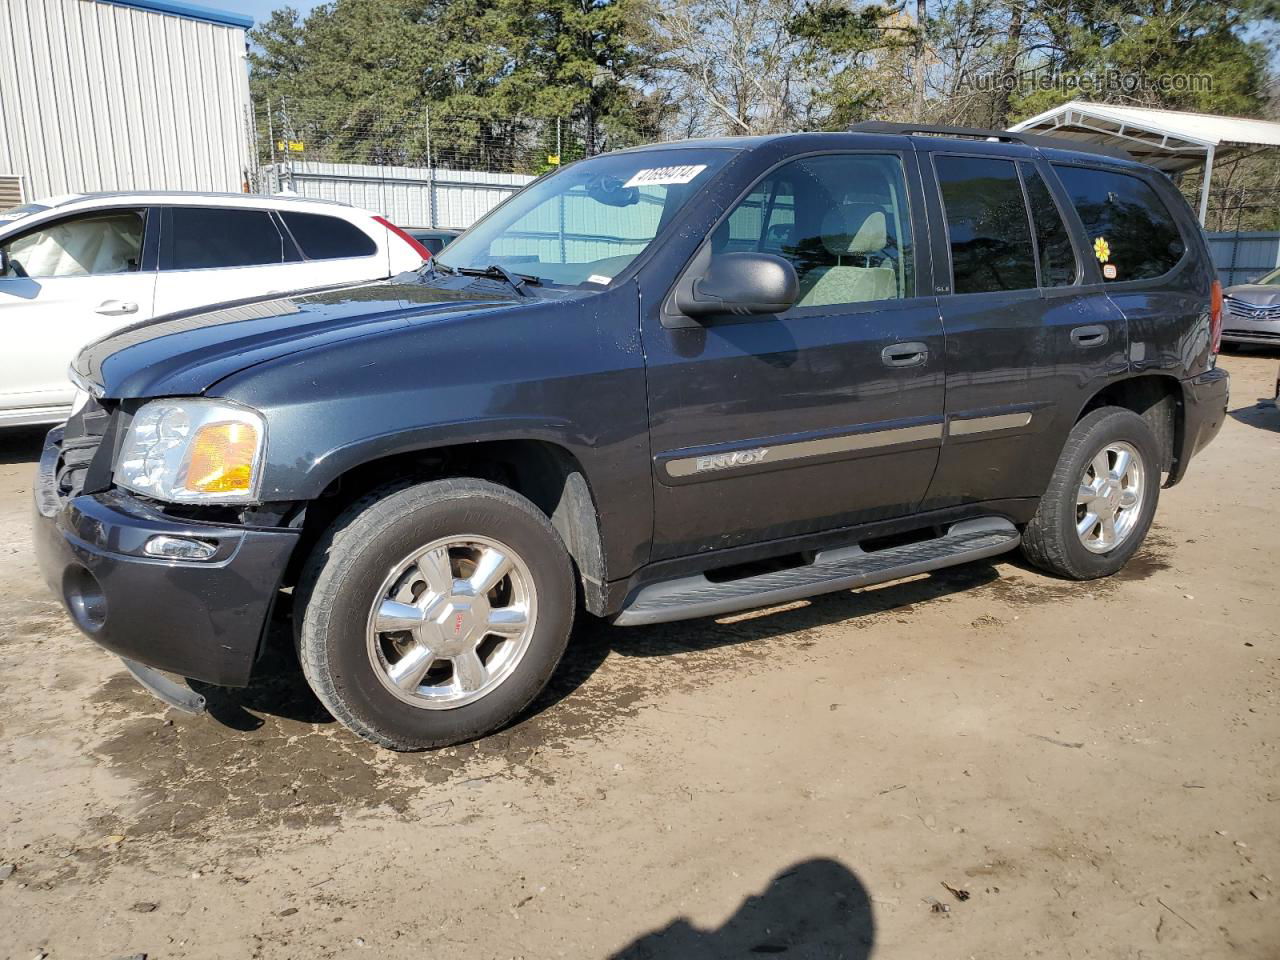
451	622
1109	500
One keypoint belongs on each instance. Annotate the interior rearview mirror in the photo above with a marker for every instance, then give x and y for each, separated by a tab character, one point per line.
611	192
740	283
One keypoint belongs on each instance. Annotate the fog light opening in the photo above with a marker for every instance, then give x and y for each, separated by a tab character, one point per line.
85	600
179	548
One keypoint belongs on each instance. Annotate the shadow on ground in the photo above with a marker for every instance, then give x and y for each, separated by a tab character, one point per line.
817	908
21	444
279	688
275	757
1262	415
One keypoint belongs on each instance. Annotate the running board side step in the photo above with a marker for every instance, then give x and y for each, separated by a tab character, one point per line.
840	569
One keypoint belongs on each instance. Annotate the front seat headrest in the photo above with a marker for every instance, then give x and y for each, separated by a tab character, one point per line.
846	231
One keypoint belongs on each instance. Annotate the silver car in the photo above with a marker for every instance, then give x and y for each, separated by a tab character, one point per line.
1251	311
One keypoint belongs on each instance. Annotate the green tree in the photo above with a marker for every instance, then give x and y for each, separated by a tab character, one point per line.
357	79
860	58
1148	40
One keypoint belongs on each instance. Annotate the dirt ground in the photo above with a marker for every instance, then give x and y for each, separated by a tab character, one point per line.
1092	769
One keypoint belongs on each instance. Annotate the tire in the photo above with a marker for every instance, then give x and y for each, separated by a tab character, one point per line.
364	674
1052	540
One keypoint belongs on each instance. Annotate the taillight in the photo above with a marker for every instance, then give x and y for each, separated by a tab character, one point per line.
1215	317
418	248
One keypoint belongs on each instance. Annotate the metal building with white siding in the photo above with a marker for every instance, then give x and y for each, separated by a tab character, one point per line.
122	95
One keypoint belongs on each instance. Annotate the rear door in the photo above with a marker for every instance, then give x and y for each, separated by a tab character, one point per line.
1144	240
73	280
829	414
1030	332
214	254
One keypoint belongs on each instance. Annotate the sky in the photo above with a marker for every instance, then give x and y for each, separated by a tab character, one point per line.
260	10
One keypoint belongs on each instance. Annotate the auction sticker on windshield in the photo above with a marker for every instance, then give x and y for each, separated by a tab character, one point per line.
665	176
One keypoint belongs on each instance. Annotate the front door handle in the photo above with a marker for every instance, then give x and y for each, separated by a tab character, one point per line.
1094	335
116	308
904	354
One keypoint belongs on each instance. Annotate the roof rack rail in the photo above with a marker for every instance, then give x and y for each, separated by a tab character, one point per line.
980	133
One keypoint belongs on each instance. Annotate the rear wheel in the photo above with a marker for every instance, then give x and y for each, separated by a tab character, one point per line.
1101	499
435	614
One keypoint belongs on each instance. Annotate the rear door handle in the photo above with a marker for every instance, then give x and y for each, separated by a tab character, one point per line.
1094	335
904	354
116	308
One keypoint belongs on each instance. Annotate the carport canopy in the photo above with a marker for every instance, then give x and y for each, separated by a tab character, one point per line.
1170	140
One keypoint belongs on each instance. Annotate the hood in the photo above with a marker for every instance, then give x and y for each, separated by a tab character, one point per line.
1258	294
186	353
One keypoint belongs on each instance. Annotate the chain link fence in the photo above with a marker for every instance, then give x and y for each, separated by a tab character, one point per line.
417	167
1244	210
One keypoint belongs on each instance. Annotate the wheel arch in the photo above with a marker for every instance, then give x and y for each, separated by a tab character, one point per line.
546	473
1157	398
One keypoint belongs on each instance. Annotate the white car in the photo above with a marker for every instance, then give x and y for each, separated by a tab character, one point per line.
75	268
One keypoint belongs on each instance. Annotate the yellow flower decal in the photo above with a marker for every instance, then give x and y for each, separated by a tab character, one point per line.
1102	249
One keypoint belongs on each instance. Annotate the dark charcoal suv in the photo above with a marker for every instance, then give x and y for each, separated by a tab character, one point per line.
662	383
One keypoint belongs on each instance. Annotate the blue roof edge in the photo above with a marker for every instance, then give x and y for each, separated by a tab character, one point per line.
192	11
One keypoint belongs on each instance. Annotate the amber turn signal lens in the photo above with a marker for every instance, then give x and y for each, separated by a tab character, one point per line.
221	459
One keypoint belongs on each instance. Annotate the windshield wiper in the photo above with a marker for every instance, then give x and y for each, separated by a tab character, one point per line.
497	271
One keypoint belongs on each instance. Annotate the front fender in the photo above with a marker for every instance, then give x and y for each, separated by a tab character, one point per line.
565	373
319	474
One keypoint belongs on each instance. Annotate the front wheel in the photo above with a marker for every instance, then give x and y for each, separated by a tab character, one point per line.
1101	499
436	613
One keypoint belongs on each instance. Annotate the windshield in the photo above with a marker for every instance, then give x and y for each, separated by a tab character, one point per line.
1272	279
586	223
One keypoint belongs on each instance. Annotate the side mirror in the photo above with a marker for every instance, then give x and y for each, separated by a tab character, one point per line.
742	284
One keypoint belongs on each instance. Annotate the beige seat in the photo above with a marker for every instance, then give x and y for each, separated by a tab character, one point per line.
848	233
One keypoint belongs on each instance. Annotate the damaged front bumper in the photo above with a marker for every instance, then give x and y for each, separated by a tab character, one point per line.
202	619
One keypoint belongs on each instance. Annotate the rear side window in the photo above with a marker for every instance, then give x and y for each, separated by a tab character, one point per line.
1133	234
987	225
1053	243
203	237
327	238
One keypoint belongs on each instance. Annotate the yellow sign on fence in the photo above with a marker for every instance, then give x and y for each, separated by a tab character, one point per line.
293	146
553	159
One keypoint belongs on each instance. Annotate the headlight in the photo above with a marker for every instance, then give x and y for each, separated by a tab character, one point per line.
193	451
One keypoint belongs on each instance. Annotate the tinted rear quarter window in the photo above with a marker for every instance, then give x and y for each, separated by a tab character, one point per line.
327	238
204	237
1133	234
986	225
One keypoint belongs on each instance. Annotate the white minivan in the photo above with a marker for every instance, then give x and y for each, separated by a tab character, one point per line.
74	268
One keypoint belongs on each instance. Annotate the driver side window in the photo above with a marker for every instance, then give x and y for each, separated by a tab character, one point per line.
842	221
89	245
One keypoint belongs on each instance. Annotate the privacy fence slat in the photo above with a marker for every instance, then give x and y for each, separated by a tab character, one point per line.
407	196
1244	257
